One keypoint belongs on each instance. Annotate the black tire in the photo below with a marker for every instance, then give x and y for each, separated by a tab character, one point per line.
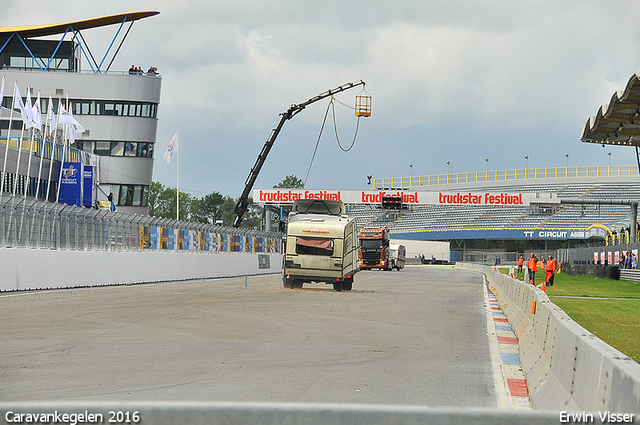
297	284
337	286
347	284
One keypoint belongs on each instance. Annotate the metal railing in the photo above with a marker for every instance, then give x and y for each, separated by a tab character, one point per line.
30	223
506	175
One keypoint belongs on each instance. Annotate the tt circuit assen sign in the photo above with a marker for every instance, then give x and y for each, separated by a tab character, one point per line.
288	196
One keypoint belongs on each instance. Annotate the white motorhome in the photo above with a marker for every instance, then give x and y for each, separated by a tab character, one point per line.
321	245
397	255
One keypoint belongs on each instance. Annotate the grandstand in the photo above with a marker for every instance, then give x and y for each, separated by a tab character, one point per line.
553	222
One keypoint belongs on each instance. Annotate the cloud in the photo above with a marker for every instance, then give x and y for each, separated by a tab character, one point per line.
478	78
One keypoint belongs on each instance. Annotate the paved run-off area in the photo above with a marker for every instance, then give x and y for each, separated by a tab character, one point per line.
418	336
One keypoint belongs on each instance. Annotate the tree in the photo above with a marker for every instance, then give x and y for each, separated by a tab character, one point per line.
228	216
162	202
208	209
154	194
253	218
290	182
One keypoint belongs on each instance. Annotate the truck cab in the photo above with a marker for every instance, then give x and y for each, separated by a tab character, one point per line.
321	245
374	248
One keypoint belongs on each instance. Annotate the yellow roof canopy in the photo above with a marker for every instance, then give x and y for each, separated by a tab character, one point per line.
54	29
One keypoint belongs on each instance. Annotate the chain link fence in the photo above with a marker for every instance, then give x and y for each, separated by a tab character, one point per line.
29	223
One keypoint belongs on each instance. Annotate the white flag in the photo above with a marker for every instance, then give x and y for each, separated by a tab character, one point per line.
173	147
28	110
74	126
67	118
36	113
51	116
17	101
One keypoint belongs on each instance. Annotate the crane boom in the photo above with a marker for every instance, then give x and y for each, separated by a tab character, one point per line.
242	206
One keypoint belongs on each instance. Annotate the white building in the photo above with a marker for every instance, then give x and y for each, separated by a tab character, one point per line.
118	110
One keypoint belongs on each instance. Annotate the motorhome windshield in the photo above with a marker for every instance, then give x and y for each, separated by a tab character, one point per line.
315	206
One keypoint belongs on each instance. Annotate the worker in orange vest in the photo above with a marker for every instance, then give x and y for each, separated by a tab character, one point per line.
532	265
549	271
520	263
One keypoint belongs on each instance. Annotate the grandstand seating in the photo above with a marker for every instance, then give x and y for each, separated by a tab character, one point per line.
566	216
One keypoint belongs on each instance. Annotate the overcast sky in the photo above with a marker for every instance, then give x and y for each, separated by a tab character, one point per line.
456	81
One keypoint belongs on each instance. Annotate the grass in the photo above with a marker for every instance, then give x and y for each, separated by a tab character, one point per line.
615	321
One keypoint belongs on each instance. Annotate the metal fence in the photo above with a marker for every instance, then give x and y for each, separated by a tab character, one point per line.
489	258
507	175
29	223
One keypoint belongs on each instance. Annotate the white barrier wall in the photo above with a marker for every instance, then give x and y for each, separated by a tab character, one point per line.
567	368
243	413
25	268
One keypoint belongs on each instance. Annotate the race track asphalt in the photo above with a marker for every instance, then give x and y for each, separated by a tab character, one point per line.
417	336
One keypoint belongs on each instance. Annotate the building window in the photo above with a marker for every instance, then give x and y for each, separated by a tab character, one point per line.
130	195
126	194
117	148
104	148
104	108
130	149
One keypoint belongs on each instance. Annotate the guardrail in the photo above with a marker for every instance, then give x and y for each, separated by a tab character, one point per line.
567	368
506	175
632	275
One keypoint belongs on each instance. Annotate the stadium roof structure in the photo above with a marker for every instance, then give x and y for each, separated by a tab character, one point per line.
24	33
617	123
54	29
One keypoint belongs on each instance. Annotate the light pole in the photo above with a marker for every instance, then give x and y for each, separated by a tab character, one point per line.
411	178
567	155
448	167
609	153
487	176
526	157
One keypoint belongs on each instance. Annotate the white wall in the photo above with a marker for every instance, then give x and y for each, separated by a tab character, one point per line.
427	248
43	269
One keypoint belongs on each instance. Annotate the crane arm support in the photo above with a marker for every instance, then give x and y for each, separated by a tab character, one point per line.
242	206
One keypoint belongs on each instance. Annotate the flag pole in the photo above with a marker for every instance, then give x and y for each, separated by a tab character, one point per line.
52	129
44	142
25	121
15	182
178	181
65	129
6	147
33	136
173	147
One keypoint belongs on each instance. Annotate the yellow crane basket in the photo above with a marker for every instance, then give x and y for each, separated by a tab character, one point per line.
363	104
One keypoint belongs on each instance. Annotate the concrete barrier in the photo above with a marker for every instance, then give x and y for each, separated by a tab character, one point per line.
160	413
567	368
24	268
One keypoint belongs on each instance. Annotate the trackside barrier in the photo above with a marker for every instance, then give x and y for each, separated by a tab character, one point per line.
31	269
212	413
567	368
